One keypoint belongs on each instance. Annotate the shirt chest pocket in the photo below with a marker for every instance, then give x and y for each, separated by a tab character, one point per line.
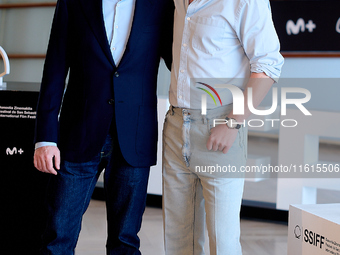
208	34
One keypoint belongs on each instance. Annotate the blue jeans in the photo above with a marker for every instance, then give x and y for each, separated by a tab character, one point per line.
69	194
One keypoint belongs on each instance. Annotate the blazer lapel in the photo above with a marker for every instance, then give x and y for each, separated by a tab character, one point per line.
93	10
143	8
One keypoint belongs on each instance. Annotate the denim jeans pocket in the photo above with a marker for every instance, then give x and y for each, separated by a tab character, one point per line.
82	168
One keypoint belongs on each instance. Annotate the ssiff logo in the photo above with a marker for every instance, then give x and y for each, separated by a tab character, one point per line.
297	232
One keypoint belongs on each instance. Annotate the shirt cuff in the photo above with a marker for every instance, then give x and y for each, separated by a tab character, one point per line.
270	71
42	144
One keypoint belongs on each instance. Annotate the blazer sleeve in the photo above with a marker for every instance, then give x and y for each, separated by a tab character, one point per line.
167	33
54	75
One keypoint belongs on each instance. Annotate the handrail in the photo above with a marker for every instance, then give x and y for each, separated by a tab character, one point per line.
27	5
335	54
284	54
26	56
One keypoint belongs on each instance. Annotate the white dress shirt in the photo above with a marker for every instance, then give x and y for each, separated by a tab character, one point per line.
118	17
220	42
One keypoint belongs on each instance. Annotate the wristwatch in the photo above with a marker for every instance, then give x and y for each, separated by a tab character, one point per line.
232	124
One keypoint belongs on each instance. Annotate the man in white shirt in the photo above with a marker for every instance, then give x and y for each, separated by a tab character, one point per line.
215	42
106	116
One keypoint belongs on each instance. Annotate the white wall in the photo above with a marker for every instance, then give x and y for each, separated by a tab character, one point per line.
311	68
25	31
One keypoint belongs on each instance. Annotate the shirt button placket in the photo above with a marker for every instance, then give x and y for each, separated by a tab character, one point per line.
183	87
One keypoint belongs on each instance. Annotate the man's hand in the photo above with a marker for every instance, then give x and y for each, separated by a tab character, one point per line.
44	157
221	138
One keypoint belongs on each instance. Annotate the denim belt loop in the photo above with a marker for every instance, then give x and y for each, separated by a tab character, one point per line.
204	119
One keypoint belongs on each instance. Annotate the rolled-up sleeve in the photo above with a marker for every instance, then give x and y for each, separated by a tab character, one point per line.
256	32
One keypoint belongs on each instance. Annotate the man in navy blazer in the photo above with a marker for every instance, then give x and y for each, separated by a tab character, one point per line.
106	116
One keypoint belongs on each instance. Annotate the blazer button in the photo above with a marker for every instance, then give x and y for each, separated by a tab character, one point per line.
111	101
116	74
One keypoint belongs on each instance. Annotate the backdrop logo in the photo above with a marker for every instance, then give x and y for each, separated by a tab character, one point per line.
14	151
300	25
337	26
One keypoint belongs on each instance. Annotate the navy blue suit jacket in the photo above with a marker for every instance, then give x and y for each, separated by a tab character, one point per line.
98	90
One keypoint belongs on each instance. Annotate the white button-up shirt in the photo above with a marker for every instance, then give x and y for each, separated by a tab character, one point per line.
216	41
118	16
